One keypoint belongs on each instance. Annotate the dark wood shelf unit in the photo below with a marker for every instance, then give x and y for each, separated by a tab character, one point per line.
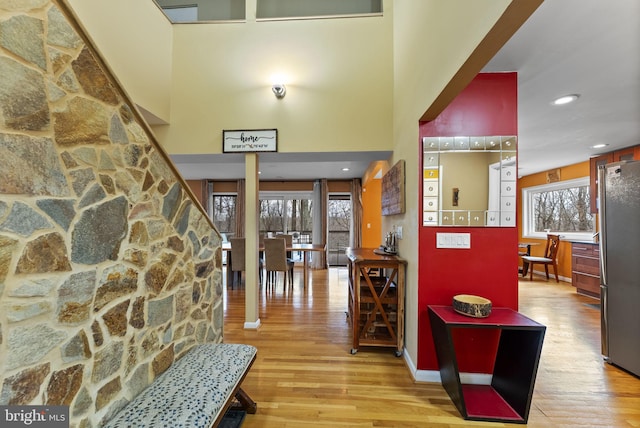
376	299
508	398
585	268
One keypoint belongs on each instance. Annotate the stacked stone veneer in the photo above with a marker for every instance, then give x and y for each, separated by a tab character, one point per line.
108	271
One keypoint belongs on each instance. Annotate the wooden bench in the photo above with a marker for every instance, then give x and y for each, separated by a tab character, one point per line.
195	391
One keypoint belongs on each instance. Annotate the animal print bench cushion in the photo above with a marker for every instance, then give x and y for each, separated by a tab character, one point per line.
192	392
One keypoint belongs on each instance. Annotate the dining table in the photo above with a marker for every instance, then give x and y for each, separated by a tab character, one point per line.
305	249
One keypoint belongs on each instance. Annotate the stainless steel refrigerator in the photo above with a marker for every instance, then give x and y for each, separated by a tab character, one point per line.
619	220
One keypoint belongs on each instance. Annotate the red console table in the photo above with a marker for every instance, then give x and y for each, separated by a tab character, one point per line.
508	398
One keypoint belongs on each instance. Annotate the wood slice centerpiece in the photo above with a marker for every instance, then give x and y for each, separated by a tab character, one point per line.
472	306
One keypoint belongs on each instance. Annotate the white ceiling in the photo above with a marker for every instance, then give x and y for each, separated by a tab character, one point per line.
586	47
280	166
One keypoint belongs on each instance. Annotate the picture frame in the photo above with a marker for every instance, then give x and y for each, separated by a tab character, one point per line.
249	140
393	190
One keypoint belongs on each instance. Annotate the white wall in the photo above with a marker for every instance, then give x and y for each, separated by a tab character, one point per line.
432	40
338	73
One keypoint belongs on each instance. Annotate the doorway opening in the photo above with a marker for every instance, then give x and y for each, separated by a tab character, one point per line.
339	228
289	213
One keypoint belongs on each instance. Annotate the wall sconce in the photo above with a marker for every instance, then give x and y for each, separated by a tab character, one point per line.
279	90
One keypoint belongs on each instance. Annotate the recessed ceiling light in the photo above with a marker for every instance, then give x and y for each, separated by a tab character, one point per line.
345	169
599	146
565	99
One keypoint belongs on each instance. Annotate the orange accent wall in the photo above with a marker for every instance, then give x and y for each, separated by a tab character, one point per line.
569	172
372	213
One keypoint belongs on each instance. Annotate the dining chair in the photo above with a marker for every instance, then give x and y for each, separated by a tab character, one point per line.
288	242
276	260
550	258
524	249
237	264
238	260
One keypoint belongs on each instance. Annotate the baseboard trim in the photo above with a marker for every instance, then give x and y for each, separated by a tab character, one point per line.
433	376
252	325
552	277
465	378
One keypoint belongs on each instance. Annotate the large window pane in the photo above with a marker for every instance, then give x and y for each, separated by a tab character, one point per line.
182	11
315	8
563	210
272	215
339	225
224	214
289	213
299	214
561	207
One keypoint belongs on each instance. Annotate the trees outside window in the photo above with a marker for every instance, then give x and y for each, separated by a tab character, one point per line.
289	213
339	225
271	215
224	213
561	207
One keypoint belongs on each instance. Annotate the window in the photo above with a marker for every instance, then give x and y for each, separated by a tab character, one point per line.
285	213
339	225
561	207
223	209
181	13
184	11
272	215
290	213
278	9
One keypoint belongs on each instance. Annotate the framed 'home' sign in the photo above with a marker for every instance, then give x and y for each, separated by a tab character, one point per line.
250	140
393	190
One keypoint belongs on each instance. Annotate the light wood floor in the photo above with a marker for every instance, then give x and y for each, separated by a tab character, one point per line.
305	376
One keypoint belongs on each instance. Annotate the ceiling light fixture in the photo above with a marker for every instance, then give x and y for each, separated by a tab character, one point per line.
566	99
345	169
599	146
279	90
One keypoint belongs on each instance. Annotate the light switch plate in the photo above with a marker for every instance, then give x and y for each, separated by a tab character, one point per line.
453	240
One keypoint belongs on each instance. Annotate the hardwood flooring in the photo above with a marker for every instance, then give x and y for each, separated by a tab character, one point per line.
305	376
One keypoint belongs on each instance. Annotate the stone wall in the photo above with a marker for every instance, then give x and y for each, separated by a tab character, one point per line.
108	270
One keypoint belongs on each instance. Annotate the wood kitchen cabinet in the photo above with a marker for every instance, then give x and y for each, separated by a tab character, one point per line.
630	153
585	268
376	299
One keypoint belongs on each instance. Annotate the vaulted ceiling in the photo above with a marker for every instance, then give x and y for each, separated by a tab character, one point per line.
585	47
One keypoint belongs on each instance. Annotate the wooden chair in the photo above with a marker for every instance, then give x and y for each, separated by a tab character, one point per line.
238	260
550	258
275	259
523	250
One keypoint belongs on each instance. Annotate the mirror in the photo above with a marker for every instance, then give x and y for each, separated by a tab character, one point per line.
469	181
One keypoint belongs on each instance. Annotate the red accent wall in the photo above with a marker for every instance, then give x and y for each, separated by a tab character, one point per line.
487	106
